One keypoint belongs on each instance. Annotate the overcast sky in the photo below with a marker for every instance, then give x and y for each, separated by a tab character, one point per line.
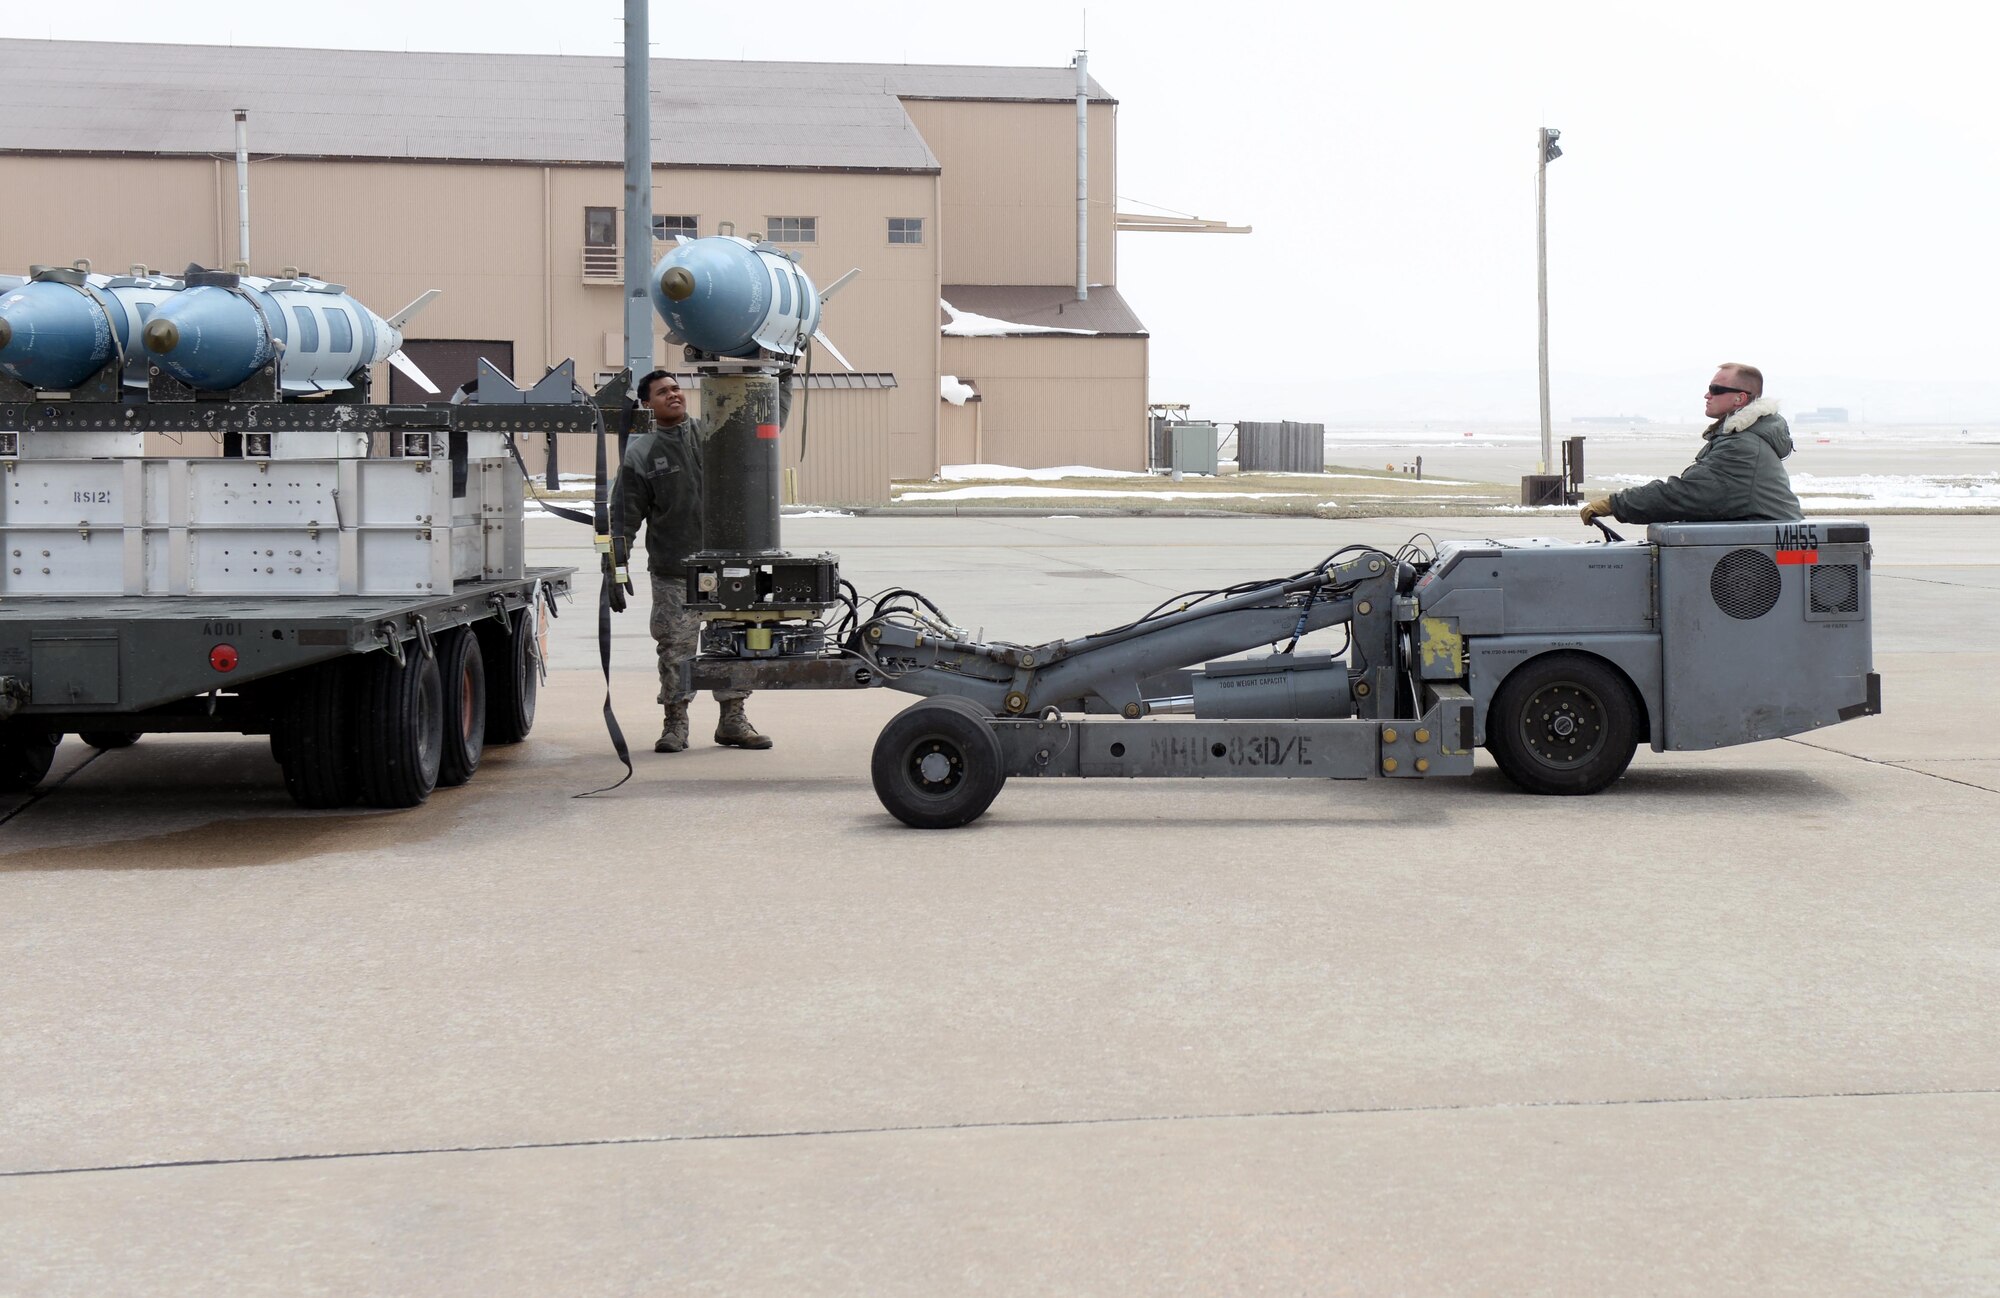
1810	187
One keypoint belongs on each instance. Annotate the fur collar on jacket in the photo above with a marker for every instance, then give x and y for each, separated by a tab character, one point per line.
1749	415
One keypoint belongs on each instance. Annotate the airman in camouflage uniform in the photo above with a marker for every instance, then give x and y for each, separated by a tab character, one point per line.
659	485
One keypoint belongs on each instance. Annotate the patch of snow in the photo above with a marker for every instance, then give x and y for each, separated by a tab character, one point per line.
969	324
1003	491
953	391
817	513
995	472
1882	490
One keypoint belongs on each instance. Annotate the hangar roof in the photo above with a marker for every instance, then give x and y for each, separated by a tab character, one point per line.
1039	308
109	97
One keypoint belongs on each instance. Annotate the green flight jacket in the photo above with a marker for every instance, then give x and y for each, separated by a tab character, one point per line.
659	485
1737	476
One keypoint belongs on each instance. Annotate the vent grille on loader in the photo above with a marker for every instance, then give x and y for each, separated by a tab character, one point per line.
1745	584
1835	588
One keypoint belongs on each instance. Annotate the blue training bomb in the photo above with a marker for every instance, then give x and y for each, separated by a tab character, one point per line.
60	326
224	328
730	297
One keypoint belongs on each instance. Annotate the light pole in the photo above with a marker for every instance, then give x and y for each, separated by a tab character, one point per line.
1546	151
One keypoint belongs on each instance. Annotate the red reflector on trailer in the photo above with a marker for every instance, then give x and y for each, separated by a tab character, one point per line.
767	432
223	658
1798	556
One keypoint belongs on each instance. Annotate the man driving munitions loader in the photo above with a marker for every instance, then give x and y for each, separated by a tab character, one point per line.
1738	474
659	485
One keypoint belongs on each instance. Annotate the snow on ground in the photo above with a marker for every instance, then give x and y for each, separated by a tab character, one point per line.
817	513
995	472
1882	490
1005	491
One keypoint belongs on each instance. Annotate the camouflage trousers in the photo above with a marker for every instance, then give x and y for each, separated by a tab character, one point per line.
677	635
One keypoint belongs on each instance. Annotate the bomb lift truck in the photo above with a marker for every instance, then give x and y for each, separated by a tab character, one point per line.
347	578
1558	658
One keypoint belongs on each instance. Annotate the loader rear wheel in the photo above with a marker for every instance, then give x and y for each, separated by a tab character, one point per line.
513	665
937	764
25	756
312	736
400	736
105	740
462	669
1565	723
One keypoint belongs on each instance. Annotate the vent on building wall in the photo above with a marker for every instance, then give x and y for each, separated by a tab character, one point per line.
1745	584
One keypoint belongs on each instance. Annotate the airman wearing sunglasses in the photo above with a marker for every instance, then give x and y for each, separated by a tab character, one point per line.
1737	475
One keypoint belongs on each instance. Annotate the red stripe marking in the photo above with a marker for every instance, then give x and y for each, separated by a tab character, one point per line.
767	432
1798	556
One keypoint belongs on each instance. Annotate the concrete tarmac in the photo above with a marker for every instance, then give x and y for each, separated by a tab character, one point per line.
1725	1028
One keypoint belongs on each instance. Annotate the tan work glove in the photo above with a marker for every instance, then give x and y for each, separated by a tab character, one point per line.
1599	508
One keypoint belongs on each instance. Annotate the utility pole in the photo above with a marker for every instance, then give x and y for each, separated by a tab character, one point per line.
638	191
1546	151
243	187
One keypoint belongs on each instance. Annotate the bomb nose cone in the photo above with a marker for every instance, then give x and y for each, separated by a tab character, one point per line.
677	283
161	336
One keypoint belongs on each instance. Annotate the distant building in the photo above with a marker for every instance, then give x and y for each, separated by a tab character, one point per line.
499	179
1825	415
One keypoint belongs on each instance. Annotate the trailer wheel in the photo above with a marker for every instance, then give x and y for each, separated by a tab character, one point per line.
400	739
25	757
1565	723
105	740
462	670
513	675
937	764
312	737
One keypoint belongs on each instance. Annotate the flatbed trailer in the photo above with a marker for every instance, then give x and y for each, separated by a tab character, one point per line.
349	579
370	699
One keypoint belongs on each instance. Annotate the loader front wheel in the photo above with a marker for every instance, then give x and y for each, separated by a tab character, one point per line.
937	764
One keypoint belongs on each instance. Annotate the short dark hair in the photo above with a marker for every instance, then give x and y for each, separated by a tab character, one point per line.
1748	375
646	384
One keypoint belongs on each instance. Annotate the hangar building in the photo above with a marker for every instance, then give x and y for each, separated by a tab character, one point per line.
499	179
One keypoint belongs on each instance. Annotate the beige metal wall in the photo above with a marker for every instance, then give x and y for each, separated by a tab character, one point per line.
1009	189
506	245
1049	399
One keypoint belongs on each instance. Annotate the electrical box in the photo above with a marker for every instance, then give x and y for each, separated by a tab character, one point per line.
1194	448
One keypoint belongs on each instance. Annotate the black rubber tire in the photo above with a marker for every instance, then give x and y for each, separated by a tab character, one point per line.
1564	724
399	737
513	675
106	740
961	787
313	737
462	671
25	756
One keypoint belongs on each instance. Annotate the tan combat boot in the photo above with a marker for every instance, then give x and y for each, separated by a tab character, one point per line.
735	731
674	734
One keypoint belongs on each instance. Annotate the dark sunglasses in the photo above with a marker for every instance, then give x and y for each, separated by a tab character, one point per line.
1716	390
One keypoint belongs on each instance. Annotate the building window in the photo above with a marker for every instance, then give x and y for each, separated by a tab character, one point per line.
600	227
791	229
906	229
668	227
